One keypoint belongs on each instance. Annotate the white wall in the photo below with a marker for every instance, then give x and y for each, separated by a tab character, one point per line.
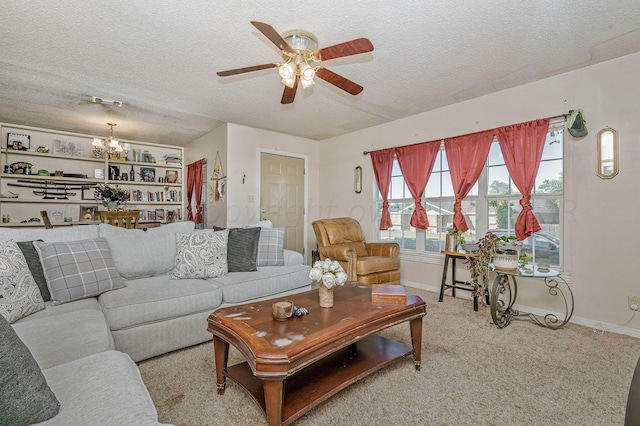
599	223
206	147
244	145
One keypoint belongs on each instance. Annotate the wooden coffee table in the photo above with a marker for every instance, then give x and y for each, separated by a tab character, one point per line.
292	366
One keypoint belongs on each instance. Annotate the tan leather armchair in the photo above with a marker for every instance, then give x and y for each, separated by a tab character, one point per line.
342	239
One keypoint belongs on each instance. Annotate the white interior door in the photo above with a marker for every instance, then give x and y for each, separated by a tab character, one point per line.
282	196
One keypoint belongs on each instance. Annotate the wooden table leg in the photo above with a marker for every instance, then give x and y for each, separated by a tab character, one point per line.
416	341
221	352
273	398
443	283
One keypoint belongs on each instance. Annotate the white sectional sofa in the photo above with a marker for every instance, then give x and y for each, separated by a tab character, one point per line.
86	348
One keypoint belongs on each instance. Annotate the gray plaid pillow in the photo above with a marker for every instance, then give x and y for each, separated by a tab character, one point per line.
270	247
78	269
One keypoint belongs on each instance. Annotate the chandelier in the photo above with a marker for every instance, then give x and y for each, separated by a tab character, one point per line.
110	147
296	64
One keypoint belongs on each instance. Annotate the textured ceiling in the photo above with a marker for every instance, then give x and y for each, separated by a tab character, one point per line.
160	59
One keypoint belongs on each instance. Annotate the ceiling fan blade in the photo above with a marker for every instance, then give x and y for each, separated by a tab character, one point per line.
348	48
273	35
339	81
289	93
245	69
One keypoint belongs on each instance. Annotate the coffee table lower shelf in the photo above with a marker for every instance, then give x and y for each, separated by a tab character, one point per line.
324	378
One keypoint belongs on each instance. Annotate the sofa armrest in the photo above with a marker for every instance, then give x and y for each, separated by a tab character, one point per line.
292	258
383	249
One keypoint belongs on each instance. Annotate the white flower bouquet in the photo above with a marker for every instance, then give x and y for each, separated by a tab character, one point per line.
328	271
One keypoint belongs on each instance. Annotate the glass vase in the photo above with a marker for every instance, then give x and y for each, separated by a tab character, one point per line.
326	296
111	205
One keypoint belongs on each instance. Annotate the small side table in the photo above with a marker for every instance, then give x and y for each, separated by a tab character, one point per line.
504	293
457	284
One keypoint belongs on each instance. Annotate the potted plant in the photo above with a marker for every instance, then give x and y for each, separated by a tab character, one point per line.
478	265
507	253
454	237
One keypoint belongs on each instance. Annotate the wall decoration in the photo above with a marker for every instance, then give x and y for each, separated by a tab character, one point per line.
73	149
147	174
18	141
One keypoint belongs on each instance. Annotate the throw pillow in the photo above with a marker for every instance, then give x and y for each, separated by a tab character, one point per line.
25	396
270	247
33	262
78	269
202	254
19	294
242	248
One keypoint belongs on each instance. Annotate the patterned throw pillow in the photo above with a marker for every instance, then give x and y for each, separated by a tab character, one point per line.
202	254
270	247
19	294
78	269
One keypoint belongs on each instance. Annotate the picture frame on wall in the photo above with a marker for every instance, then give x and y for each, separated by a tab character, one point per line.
18	141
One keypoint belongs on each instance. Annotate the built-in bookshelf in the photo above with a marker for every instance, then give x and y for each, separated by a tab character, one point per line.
57	171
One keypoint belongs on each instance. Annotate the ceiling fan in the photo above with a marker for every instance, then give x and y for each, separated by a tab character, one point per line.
299	52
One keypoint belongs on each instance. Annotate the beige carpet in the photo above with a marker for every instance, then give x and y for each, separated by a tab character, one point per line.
472	374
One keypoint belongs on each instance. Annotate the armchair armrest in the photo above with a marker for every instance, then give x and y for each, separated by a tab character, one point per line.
383	249
339	252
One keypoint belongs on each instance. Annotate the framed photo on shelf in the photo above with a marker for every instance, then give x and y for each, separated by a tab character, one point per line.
147	174
172	176
18	141
73	149
114	172
88	213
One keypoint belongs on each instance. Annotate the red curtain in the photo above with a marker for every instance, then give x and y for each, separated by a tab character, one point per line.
382	161
194	190
466	156
522	145
416	162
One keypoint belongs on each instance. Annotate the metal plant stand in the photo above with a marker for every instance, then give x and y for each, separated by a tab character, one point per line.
504	293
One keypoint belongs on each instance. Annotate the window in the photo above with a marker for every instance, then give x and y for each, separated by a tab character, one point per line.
492	205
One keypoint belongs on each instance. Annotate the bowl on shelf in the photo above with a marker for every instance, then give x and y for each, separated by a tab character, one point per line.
470	247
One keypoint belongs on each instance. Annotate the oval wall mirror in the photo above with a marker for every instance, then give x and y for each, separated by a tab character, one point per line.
357	180
607	160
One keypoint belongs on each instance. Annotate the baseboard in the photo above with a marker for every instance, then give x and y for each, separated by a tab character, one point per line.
598	327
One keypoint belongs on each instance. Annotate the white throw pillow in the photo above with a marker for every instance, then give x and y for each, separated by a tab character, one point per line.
202	254
19	293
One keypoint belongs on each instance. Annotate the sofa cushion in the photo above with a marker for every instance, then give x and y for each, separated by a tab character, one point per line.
201	254
153	299
63	338
240	287
33	262
78	269
25	397
101	389
19	294
137	253
242	248
63	233
270	247
51	310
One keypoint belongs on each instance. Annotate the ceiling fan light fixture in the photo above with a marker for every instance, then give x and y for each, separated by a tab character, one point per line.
301	40
307	83
287	71
306	72
289	82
